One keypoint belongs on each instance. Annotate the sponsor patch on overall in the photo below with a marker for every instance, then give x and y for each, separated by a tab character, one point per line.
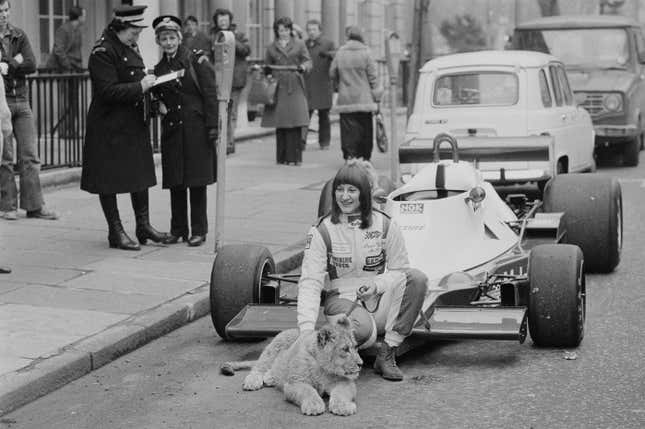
371	235
341	261
375	263
411	208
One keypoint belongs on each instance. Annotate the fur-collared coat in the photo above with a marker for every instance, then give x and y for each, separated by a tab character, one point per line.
291	109
319	87
354	73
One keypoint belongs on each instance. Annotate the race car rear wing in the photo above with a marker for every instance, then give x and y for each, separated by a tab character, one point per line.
481	149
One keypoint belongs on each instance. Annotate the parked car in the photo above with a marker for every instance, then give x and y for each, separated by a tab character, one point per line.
512	112
604	56
492	265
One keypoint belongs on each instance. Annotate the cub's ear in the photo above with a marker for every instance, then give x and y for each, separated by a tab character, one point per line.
344	322
325	335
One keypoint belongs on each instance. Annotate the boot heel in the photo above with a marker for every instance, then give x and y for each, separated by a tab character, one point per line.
142	240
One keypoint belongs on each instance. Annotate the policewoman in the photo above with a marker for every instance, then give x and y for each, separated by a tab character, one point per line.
117	154
188	130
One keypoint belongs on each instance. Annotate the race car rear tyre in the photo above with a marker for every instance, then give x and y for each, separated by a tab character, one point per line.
236	280
593	216
556	295
324	202
631	152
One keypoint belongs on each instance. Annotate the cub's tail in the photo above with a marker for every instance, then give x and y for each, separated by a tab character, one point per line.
229	368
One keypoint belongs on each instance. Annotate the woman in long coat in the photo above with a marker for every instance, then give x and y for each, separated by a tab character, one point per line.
117	154
354	73
188	130
290	112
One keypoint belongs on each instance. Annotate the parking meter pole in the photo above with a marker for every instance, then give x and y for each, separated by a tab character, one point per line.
223	60
393	57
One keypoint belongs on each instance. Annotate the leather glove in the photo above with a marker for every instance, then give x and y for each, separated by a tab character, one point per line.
300	69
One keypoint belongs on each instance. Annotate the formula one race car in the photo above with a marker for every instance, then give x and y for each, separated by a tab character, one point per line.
493	266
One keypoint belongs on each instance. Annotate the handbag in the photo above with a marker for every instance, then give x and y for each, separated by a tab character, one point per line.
381	135
263	90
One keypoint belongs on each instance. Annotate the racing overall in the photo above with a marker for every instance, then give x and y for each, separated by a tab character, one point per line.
351	256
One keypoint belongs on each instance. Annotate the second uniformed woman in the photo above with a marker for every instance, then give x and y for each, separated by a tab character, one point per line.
188	130
117	154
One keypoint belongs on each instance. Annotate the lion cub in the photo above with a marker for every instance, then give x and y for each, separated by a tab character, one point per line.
305	367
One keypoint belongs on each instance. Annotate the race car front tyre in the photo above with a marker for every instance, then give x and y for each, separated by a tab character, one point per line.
556	295
593	216
236	281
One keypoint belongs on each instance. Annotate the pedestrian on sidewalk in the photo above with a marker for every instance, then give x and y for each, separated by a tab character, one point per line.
188	130
319	87
223	21
17	62
117	156
66	58
193	37
5	134
289	114
353	72
370	279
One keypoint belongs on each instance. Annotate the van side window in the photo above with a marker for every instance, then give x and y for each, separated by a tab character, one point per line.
544	90
640	46
557	90
564	84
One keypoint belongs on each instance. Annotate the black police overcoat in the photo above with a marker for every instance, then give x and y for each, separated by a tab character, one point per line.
188	157
117	154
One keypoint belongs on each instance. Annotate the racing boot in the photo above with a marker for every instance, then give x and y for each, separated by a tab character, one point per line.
144	230
385	363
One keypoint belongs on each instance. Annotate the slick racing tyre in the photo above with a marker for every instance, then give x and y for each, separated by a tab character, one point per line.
556	295
236	281
593	216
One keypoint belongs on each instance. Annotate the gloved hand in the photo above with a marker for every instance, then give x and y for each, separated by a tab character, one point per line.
366	291
300	69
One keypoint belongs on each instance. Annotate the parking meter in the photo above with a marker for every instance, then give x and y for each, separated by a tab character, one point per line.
393	59
224	61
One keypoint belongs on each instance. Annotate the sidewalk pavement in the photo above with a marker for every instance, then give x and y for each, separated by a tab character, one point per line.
72	304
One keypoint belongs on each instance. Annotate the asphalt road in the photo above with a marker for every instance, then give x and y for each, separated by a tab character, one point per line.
174	382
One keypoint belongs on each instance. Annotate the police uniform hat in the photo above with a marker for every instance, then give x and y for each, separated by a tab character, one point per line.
166	23
131	15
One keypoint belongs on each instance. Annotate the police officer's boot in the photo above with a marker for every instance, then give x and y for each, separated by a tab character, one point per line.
144	230
116	235
385	363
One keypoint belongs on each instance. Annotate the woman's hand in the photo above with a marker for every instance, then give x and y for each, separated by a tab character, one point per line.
366	291
147	82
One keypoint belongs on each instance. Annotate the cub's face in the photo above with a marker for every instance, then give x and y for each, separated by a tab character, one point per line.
336	350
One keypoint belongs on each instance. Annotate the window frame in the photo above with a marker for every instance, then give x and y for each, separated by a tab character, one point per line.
566	88
473	72
555	83
545	81
51	18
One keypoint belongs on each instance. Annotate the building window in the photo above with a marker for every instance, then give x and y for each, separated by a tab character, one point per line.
254	28
51	15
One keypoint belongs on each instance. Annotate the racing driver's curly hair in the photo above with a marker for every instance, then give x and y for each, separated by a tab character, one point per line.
353	174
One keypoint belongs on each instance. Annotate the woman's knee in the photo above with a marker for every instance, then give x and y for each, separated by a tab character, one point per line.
416	281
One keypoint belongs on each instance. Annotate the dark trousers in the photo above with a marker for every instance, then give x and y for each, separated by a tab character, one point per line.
179	211
288	145
324	128
356	135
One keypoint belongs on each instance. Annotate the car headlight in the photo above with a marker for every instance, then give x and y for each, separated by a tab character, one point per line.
612	102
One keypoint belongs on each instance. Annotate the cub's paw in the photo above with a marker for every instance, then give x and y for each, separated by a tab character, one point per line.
312	406
342	408
269	380
253	381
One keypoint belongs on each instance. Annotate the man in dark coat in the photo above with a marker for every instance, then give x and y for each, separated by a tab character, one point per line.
66	58
188	130
223	20
193	38
117	155
16	62
319	87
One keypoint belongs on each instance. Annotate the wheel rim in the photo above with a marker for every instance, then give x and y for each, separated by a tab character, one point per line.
266	269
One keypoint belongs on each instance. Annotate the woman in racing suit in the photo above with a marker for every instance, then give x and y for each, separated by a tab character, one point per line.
363	253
